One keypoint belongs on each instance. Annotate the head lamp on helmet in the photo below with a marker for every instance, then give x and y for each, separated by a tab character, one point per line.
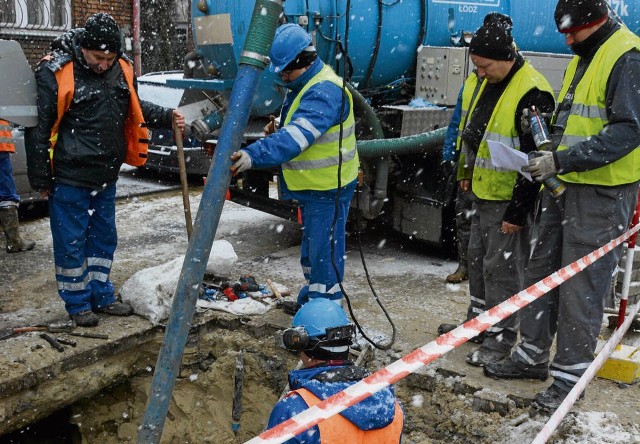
321	329
289	42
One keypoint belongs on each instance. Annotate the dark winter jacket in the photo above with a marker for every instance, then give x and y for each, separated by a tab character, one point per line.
91	145
374	412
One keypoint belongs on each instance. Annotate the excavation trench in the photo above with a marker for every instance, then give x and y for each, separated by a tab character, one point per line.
440	405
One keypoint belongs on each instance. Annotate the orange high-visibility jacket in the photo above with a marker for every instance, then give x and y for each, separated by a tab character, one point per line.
6	145
339	429
136	132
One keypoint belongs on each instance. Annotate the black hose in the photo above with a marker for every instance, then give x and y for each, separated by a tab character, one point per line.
376	48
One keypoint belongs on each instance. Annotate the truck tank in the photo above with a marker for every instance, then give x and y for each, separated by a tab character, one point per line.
382	36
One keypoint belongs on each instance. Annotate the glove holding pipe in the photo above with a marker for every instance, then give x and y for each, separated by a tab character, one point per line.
242	162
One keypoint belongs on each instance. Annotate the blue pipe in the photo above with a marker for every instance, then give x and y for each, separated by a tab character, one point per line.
251	64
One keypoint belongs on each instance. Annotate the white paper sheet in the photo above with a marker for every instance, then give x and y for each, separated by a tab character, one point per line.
503	156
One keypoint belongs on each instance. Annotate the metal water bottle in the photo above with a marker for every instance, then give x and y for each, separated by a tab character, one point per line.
542	139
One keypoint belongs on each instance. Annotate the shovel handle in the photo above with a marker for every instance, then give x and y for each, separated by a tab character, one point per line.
182	168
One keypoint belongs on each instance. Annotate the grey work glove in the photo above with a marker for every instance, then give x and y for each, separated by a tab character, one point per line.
542	165
242	162
525	123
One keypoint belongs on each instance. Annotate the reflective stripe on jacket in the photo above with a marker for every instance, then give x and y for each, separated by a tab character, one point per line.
6	143
495	183
316	168
469	93
338	429
588	114
136	133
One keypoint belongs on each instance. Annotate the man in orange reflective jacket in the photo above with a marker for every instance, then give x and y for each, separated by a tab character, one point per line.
90	121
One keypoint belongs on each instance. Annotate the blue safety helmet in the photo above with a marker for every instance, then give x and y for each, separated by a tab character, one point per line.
289	41
318	315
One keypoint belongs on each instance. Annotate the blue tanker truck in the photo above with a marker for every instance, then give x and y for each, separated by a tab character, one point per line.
398	51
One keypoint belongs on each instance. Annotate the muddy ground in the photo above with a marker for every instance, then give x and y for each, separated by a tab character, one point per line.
448	401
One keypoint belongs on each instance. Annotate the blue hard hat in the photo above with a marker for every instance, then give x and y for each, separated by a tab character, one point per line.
319	314
289	41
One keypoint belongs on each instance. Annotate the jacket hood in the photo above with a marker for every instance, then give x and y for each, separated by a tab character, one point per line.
374	412
314	69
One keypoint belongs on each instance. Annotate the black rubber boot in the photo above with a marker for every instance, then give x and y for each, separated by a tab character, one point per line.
510	369
85	319
550	399
9	219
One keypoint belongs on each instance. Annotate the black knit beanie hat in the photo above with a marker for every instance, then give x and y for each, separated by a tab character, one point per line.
493	40
574	15
101	32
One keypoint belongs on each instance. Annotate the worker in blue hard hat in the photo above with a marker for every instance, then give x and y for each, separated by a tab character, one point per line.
321	334
315	146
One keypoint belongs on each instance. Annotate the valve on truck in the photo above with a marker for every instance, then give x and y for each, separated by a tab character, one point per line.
201	129
542	139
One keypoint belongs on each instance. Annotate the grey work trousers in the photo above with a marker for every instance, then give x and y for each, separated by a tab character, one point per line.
583	219
496	269
464	202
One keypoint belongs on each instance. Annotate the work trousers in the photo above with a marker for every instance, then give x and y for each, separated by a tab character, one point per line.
8	194
496	269
464	204
319	233
83	229
573	225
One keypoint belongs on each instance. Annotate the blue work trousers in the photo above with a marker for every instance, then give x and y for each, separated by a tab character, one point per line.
7	185
83	228
318	209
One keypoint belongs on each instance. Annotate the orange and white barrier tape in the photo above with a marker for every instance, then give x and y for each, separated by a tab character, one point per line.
429	352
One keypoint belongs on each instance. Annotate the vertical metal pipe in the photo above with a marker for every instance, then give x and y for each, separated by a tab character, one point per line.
252	62
137	51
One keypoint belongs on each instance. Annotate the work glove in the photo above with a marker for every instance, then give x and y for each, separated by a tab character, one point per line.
525	124
242	162
542	165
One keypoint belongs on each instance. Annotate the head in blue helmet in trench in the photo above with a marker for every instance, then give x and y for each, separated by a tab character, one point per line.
321	334
314	149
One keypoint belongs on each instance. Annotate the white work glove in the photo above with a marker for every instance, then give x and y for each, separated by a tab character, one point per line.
242	162
542	165
525	126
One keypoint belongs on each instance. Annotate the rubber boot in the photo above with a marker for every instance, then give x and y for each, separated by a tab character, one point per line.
9	219
461	273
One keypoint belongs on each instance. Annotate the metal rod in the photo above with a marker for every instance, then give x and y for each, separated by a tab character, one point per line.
206	224
238	378
628	266
183	180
